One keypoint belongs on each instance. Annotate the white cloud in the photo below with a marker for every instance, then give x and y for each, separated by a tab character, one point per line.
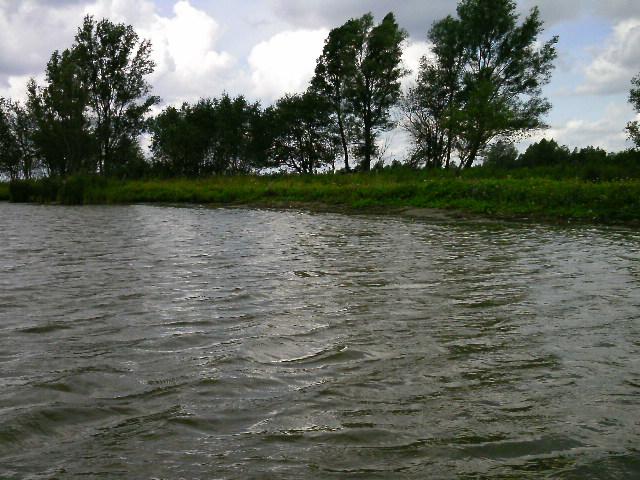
30	32
14	86
411	56
417	15
126	11
612	69
607	132
188	65
285	63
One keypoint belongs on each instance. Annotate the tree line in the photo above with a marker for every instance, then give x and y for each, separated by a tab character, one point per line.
478	91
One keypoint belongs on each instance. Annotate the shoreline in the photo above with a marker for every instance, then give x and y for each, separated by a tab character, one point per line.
563	202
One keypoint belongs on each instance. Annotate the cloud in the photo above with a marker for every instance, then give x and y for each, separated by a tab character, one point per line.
285	63
617	9
188	65
14	86
613	67
417	16
29	33
607	132
414	15
411	56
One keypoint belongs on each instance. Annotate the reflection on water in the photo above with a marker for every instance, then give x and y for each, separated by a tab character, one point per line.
155	342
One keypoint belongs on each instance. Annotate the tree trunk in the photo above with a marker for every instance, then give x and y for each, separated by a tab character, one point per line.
449	145
345	145
473	153
366	163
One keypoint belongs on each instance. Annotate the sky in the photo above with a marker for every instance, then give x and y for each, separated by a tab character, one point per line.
266	48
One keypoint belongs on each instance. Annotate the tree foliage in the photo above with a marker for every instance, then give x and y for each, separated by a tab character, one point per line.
376	86
545	153
94	105
484	81
333	77
212	136
62	136
114	62
17	154
633	128
359	75
303	140
501	154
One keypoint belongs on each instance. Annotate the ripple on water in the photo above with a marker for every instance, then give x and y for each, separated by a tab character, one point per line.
158	342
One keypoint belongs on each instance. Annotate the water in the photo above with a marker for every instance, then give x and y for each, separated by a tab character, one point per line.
155	342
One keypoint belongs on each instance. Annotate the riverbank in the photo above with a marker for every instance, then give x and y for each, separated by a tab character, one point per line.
4	192
538	198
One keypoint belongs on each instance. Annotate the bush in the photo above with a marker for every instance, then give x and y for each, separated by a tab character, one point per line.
72	191
20	191
44	190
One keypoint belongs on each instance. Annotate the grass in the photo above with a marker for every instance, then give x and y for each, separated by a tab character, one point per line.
542	198
4	192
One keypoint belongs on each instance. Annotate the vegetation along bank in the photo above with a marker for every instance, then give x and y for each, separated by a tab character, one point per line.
508	197
78	136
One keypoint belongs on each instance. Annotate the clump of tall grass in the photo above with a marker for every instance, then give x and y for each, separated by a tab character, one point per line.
538	197
4	192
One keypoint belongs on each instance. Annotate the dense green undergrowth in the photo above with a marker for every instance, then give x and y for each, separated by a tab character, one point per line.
610	201
4	192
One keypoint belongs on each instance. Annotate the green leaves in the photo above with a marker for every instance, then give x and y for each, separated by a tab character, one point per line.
359	74
303	140
114	63
484	82
224	135
633	128
94	105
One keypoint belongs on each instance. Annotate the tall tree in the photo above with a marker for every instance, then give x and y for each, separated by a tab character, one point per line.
335	73
10	156
431	107
234	134
633	128
115	62
212	136
375	86
182	139
60	111
17	151
491	70
303	140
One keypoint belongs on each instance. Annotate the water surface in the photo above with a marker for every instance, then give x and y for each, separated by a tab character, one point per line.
157	342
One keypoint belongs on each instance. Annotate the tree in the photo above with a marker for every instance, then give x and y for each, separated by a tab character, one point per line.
303	140
334	73
17	153
375	86
432	106
501	154
9	149
233	147
114	62
633	128
91	111
359	75
486	76
62	134
212	136
545	153
182	139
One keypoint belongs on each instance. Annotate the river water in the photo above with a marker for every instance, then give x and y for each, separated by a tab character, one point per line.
164	343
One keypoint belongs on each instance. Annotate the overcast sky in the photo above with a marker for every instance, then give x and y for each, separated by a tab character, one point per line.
265	48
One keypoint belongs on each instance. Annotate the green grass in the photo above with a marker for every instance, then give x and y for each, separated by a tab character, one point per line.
4	192
543	198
